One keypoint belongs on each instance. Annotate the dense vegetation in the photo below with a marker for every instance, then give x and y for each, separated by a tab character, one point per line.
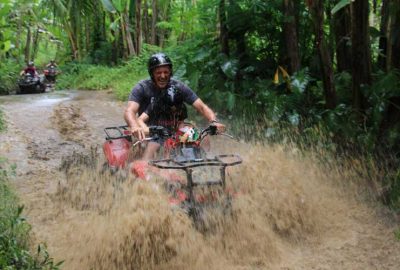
315	68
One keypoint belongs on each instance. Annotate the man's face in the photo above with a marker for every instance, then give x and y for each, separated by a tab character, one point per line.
161	76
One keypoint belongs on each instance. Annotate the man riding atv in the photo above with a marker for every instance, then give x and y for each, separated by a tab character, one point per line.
30	69
51	72
30	81
194	178
160	101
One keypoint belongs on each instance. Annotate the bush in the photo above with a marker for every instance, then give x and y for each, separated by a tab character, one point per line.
2	124
9	74
14	236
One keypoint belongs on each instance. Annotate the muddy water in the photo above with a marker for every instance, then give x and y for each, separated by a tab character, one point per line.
290	212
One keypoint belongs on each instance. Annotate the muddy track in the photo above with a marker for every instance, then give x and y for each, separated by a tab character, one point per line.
291	213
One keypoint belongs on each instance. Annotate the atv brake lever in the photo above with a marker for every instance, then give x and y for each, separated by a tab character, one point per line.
227	135
140	141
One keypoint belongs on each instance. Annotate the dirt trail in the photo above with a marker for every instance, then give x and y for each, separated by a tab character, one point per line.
290	214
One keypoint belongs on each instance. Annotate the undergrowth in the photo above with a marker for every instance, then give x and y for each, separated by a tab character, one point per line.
14	231
9	74
2	123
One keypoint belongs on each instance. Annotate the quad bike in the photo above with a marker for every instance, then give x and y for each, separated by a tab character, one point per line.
29	84
182	155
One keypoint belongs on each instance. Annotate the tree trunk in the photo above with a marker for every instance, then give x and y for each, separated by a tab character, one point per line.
35	44
224	35
138	29
73	45
391	116
290	33
317	12
164	16
342	28
383	35
240	40
18	35
361	55
28	44
125	50
146	32
87	34
129	41
394	37
154	22
115	43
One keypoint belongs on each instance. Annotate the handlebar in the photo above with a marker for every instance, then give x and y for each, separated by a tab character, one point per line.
156	132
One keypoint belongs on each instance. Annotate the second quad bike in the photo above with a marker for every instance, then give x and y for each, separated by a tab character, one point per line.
183	162
50	74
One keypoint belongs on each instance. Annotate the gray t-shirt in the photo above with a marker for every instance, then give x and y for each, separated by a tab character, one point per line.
166	106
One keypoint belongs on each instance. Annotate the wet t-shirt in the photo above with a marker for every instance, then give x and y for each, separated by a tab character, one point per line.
165	107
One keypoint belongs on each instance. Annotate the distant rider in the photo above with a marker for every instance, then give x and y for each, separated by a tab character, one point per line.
52	63
161	100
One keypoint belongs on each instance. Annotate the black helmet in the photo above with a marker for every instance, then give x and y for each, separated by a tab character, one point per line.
158	60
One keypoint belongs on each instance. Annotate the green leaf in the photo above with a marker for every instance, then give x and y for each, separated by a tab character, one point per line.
341	5
115	24
231	101
201	55
374	32
119	5
4	9
60	7
230	68
164	25
5	46
109	6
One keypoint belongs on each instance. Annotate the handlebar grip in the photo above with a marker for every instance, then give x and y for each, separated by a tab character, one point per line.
212	130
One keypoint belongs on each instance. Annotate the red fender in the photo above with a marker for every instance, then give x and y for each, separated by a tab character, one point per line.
116	152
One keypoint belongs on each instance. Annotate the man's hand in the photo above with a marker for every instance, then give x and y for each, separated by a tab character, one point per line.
138	132
220	127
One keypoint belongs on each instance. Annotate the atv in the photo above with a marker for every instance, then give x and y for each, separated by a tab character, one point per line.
29	84
195	180
50	74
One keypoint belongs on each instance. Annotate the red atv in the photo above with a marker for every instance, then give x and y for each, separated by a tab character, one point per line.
183	158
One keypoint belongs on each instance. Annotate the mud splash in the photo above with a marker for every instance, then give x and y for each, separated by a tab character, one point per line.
283	203
71	124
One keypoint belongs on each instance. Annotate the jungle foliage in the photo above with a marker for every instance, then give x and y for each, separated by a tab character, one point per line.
316	68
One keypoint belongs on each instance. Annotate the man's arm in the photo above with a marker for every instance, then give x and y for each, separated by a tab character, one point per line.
202	108
131	119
